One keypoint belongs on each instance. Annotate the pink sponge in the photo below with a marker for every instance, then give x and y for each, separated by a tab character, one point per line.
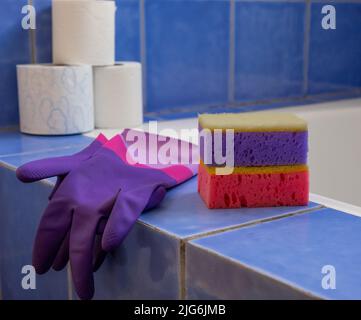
254	186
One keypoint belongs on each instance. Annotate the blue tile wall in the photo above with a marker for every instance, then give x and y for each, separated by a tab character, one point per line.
210	54
335	63
15	49
127	30
269	50
186	53
279	259
18	226
145	266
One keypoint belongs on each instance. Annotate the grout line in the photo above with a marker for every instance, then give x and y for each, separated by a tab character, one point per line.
1	287
10	128
336	1
277	1
143	51
32	40
182	270
306	46
232	64
69	282
3	157
252	223
308	99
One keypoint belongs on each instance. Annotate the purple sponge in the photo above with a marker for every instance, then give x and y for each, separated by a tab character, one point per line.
263	148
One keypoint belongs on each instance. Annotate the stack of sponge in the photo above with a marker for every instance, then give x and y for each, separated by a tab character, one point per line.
270	161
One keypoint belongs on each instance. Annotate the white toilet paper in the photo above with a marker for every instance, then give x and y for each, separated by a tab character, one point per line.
118	95
55	100
83	32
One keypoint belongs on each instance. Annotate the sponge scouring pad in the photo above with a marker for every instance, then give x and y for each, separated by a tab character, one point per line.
254	186
260	139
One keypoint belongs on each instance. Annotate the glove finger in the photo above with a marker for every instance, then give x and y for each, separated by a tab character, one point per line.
62	257
51	232
99	253
82	237
51	167
45	168
125	212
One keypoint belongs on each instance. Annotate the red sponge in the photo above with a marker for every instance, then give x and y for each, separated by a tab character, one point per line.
254	187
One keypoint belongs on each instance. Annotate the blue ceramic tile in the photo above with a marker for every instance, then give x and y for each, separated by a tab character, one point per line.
268	49
145	266
19	159
18	223
187	48
191	112
290	251
127	44
213	277
12	142
241	107
15	49
43	31
335	63
183	213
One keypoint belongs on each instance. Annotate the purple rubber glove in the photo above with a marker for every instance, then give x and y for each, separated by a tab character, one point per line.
59	167
107	192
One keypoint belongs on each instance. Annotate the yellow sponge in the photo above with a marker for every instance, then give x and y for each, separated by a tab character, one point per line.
253	122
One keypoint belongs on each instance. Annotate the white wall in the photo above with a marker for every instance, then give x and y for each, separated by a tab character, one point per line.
335	148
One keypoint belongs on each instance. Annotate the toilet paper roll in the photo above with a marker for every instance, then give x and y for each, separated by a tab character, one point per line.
118	95
83	32
55	100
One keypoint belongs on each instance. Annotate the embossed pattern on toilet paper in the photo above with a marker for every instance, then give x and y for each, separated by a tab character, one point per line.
55	99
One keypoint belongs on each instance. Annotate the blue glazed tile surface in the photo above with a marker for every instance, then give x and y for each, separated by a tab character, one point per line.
335	62
268	49
20	213
183	213
15	49
187	53
145	266
295	249
127	30
209	276
19	159
12	142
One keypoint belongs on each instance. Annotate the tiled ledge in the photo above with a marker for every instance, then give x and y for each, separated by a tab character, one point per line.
279	259
173	251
